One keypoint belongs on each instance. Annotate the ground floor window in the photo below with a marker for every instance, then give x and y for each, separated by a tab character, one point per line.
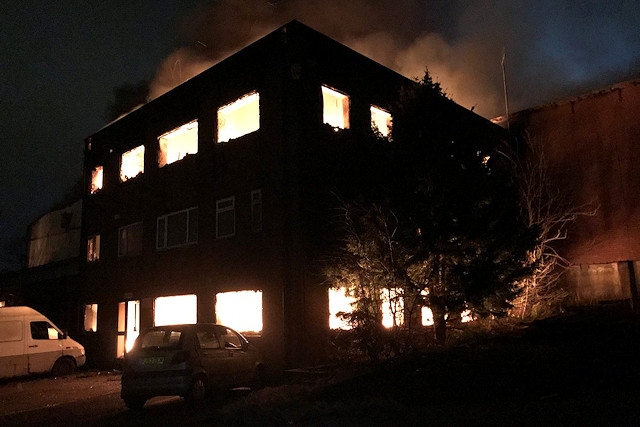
91	317
240	310
175	310
128	326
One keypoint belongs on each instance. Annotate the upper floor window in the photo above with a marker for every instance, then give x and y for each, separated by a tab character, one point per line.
130	240
380	121
132	163
239	118
177	143
226	217
335	108
256	210
97	175
91	317
177	229
93	248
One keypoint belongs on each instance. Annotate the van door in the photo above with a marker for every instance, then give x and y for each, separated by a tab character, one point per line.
44	345
13	358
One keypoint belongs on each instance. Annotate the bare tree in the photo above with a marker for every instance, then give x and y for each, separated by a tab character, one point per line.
550	210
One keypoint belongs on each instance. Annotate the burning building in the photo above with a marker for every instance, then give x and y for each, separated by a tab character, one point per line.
208	203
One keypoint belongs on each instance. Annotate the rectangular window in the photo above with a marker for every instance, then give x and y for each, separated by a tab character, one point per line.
132	163
128	326
97	176
177	143
175	310
335	108
93	248
380	121
239	118
130	240
240	310
91	317
226	217
177	229
256	210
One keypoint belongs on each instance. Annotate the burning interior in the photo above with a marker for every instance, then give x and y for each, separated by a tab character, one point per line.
132	163
335	108
239	118
178	143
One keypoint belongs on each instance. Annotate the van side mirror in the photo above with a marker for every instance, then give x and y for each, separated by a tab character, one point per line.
63	335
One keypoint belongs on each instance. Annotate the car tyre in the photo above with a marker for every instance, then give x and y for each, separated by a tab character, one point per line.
134	403
198	390
63	367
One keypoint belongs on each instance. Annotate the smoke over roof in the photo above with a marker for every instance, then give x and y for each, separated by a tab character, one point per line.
553	48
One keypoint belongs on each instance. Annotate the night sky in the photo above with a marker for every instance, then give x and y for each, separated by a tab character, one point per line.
61	61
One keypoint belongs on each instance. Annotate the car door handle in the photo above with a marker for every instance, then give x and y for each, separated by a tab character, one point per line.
33	346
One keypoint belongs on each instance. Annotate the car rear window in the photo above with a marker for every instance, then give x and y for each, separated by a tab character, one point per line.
163	338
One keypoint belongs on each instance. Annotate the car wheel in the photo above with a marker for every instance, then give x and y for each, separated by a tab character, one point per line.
63	367
135	403
198	390
259	378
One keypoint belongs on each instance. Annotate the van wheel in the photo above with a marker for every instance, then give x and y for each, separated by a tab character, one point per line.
197	392
63	367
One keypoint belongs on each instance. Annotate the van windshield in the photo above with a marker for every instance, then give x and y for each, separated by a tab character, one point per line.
163	338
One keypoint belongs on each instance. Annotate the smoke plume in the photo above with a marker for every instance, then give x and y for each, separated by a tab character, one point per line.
553	48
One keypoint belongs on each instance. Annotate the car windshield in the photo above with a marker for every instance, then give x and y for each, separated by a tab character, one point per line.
161	338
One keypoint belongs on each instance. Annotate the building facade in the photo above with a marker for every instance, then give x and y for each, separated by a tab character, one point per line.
212	202
591	145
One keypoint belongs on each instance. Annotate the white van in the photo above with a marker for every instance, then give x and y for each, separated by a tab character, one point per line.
30	343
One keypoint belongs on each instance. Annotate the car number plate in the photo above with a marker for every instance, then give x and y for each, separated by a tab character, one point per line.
153	361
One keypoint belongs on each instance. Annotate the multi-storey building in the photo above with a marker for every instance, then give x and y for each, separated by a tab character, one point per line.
217	192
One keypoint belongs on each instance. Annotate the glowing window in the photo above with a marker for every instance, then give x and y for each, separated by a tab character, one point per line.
93	248
175	310
226	217
177	143
91	317
241	310
239	118
380	121
130	240
128	326
339	302
392	307
335	108
132	163
97	175
256	210
427	316
177	229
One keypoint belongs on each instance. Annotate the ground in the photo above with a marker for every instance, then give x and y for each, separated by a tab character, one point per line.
580	368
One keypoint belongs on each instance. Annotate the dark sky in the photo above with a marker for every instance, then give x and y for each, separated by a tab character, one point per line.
61	61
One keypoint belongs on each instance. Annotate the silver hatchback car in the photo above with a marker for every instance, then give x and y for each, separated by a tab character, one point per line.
188	361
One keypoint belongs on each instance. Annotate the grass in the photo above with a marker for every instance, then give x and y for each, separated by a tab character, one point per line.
581	368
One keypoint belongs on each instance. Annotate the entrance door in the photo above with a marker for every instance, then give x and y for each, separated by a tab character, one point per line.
128	326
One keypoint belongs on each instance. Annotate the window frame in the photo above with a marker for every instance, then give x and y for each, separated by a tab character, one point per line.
186	129
222	210
93	255
225	111
345	122
162	222
127	252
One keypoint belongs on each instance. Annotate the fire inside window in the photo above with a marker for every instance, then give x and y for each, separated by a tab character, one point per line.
96	179
380	120
335	108
132	163
239	118
240	310
93	248
178	143
128	326
175	310
91	317
339	302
